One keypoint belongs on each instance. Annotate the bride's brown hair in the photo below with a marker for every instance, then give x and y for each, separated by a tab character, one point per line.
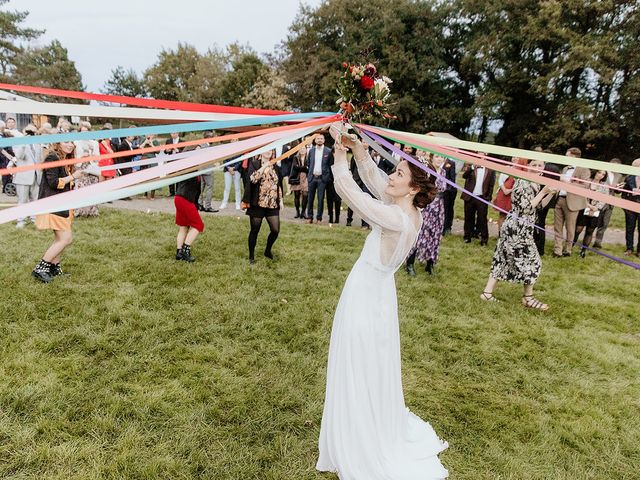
424	182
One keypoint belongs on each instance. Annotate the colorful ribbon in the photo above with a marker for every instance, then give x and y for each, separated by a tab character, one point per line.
408	158
145	180
158	130
532	177
508	151
101	111
141	151
140	102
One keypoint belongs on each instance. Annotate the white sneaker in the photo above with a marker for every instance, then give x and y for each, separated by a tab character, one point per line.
238	207
222	206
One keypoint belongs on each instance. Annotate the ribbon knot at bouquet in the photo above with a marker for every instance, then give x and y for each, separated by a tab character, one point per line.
364	93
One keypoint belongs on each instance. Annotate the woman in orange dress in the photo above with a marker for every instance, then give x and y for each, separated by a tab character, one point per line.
56	180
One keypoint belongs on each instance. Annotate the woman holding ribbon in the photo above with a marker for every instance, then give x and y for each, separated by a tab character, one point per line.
516	258
56	180
262	196
367	432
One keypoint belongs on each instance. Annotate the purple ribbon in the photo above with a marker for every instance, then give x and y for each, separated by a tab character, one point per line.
378	139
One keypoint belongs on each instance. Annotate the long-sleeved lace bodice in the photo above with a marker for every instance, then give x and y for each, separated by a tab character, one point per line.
397	230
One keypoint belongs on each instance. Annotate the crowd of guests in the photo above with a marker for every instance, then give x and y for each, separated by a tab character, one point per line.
260	184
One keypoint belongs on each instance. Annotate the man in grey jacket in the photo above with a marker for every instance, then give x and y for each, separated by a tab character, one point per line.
28	182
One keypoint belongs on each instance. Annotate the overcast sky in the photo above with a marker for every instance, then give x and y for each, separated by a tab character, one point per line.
101	35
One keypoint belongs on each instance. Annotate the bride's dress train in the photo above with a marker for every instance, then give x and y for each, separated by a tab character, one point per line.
367	433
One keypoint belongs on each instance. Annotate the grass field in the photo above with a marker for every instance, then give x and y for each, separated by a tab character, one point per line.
140	367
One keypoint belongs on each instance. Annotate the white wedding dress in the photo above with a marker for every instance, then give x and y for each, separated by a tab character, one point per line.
367	432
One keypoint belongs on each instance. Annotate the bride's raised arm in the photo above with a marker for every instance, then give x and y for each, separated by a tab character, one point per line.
374	178
373	211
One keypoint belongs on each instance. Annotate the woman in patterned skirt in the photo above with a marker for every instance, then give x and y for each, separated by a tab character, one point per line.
516	258
262	196
428	243
87	148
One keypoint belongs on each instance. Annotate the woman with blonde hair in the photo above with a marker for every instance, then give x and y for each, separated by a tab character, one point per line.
56	180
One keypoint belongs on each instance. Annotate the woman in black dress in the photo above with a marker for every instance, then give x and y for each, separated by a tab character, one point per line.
262	196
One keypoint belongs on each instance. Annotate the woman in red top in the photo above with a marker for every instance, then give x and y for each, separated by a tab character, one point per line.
105	148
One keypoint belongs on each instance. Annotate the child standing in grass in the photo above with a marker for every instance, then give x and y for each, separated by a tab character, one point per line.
56	180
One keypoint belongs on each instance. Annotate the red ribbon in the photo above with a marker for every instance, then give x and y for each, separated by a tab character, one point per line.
140	102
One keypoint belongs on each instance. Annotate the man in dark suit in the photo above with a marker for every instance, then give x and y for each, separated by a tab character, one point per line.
125	145
319	159
175	138
449	195
480	181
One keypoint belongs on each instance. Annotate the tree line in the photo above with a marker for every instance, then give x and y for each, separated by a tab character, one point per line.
518	72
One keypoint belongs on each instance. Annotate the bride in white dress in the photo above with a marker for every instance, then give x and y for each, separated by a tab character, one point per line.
367	432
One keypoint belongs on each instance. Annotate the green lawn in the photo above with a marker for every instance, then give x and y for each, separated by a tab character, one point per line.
140	367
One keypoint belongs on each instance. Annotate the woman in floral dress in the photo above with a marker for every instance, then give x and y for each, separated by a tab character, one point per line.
428	244
87	148
516	258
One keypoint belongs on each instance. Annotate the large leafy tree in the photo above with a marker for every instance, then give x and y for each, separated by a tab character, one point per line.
555	73
47	66
125	82
11	35
170	78
408	40
245	70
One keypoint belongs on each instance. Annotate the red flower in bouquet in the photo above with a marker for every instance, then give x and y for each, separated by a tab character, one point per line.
367	83
363	92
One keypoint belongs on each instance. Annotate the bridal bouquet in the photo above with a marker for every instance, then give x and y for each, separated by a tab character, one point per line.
364	94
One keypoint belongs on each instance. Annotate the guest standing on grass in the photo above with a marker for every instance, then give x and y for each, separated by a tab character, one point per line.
207	181
427	246
105	148
480	181
56	180
262	196
27	183
150	141
589	217
85	149
449	196
516	258
568	206
613	180
632	219
188	218
298	182
232	175
175	139
319	160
